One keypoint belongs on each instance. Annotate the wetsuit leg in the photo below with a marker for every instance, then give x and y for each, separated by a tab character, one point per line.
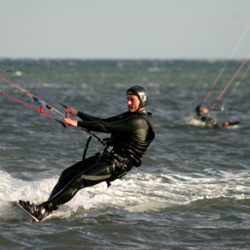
92	176
71	172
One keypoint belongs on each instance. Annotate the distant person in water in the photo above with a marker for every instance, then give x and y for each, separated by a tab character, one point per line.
209	121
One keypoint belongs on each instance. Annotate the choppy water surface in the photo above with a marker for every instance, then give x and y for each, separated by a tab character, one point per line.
192	191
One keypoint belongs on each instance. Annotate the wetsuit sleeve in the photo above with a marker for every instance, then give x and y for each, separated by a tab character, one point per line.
86	117
117	126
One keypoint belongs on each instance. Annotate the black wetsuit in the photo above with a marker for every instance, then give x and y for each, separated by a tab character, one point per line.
209	122
131	134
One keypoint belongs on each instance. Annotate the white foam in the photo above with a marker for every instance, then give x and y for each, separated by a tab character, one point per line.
136	192
195	122
13	189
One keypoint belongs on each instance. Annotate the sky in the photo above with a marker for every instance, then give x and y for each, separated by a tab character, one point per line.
125	29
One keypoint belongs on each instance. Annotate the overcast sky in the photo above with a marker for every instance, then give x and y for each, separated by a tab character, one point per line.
125	29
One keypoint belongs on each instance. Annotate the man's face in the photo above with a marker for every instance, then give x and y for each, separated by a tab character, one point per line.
133	103
205	110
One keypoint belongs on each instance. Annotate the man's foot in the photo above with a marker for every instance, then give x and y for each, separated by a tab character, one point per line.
40	212
231	123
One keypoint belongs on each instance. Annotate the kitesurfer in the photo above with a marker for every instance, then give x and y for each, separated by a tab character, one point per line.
202	114
131	134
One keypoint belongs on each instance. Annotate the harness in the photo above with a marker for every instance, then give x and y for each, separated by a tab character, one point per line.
119	162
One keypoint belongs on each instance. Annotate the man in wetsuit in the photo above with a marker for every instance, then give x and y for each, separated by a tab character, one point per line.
210	122
131	134
200	115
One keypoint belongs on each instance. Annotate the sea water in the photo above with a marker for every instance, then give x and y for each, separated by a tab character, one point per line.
192	190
